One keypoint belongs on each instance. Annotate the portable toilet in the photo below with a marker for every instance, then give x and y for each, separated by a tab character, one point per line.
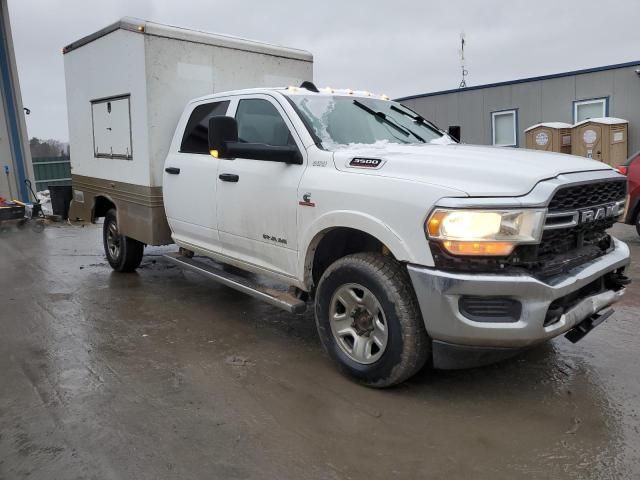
603	139
550	136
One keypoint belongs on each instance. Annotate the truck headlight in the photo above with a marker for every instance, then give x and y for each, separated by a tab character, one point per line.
485	232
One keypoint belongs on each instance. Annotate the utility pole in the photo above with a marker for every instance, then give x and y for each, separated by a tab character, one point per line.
464	71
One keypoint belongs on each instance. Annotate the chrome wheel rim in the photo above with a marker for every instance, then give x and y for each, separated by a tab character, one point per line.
113	240
358	323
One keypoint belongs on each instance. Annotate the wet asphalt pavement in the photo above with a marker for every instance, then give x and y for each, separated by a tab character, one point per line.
163	374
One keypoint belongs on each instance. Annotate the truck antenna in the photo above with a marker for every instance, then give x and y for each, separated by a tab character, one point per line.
464	71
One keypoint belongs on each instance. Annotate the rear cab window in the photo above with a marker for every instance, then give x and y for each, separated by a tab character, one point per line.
195	137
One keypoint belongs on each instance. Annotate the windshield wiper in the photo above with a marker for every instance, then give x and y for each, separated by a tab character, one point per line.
417	118
383	116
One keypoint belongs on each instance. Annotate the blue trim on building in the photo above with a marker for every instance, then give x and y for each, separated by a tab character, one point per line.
523	80
606	105
6	85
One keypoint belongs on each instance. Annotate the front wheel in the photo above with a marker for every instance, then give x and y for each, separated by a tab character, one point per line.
637	221
369	321
124	254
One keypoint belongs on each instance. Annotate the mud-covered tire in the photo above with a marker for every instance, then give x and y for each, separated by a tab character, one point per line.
124	254
407	346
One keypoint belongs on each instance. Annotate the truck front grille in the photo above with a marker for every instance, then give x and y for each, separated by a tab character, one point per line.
560	249
587	195
563	240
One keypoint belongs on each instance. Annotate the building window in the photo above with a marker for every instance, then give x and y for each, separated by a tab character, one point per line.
586	109
503	128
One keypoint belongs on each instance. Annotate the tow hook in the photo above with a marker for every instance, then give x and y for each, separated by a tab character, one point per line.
616	280
578	332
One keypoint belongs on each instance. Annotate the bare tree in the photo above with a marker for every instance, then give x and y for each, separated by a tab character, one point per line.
48	148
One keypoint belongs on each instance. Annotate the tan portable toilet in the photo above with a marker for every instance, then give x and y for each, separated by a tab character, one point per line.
603	139
550	136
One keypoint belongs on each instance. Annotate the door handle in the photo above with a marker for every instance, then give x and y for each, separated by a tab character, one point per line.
229	177
172	170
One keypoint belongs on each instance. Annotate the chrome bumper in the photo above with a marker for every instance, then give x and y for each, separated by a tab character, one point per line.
439	292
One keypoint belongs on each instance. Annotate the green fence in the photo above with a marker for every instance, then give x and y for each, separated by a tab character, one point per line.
51	171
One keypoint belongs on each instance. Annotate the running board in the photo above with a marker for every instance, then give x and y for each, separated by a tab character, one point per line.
277	298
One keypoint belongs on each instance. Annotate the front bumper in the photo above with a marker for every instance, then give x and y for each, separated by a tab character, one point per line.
439	293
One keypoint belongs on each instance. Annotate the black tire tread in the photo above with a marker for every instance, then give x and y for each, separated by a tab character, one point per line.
417	345
131	251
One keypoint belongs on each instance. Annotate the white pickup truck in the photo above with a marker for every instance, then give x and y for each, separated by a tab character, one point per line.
413	249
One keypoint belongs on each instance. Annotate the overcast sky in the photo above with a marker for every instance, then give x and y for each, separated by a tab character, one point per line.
395	47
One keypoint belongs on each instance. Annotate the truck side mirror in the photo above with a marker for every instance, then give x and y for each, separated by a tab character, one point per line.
222	131
454	132
223	143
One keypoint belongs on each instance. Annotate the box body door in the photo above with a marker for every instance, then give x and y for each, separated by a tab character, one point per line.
112	136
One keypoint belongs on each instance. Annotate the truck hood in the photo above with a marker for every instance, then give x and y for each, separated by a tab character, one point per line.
475	170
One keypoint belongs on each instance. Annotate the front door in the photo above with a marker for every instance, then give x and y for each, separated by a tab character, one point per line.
258	200
190	181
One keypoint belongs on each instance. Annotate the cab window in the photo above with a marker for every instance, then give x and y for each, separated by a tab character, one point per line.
195	138
260	122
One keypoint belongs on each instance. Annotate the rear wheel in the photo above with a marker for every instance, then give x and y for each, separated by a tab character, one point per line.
124	254
637	221
369	321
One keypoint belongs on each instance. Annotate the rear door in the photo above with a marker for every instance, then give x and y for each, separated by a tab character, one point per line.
257	199
190	181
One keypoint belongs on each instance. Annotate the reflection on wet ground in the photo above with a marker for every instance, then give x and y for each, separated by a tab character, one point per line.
162	374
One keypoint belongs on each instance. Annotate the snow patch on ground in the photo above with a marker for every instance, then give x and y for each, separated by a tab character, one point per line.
44	197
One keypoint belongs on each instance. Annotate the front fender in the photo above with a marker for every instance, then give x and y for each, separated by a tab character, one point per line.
630	213
347	219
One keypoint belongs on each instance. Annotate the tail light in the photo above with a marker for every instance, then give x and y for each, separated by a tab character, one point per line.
623	169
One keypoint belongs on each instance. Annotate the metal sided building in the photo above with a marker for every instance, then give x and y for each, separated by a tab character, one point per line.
15	158
499	113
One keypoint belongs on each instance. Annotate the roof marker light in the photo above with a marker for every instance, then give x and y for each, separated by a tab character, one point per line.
141	28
